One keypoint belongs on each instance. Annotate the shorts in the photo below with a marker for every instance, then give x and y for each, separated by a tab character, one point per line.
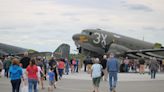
96	81
51	83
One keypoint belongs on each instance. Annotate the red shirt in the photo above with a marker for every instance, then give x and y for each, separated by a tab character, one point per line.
32	72
61	65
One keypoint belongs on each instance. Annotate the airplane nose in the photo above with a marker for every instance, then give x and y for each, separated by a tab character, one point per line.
75	37
80	37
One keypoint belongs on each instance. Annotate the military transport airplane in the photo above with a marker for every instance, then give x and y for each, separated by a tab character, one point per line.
62	51
96	42
6	49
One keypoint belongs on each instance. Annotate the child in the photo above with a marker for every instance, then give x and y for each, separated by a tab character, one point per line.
51	80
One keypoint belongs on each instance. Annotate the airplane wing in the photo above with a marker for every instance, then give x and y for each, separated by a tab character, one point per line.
6	49
145	50
158	53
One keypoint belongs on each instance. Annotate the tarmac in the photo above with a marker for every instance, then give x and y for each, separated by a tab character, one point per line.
81	82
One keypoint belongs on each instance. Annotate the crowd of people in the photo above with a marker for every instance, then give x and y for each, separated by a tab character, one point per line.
110	66
33	71
134	65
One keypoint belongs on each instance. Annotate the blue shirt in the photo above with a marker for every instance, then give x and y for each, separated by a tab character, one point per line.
112	65
51	76
15	72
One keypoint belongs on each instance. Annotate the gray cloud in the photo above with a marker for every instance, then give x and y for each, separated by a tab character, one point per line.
90	4
40	13
7	28
153	29
105	19
70	14
138	7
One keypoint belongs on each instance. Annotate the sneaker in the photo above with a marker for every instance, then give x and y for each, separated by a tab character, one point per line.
110	90
54	87
114	90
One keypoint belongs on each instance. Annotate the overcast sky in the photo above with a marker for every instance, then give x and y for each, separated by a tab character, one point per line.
43	25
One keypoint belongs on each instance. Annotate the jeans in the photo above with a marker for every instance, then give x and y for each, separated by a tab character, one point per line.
60	73
67	70
85	67
32	83
15	85
112	80
153	73
126	68
7	72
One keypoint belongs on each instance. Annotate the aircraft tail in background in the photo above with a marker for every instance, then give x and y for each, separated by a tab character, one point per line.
62	51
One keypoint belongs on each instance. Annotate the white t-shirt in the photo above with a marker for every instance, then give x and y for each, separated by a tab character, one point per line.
96	70
39	70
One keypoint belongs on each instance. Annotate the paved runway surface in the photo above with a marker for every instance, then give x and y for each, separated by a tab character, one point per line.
82	83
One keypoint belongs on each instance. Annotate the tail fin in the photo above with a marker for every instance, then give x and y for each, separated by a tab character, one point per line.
62	51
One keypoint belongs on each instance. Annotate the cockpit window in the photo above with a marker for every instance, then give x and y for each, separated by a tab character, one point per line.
90	33
84	32
87	33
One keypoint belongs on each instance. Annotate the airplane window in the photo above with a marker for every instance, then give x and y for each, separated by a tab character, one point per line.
84	32
90	33
87	33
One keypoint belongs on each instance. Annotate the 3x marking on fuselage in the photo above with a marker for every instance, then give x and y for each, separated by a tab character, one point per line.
100	39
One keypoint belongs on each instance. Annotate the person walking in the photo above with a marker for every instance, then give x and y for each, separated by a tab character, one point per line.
103	63
77	65
67	66
142	65
53	64
96	70
112	68
32	75
7	63
89	65
25	61
85	65
126	62
51	76
15	73
61	66
41	68
153	66
1	68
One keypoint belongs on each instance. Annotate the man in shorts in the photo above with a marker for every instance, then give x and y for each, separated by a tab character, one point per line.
96	71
